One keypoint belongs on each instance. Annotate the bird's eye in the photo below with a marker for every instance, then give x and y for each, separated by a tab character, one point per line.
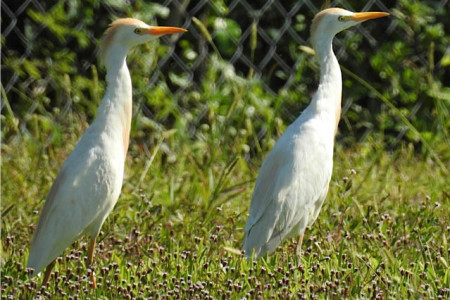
341	19
138	31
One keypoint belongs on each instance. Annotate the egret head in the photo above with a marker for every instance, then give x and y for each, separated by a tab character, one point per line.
129	32
328	22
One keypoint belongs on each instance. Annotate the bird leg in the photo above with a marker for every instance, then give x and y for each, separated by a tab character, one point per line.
299	245
48	272
338	234
91	260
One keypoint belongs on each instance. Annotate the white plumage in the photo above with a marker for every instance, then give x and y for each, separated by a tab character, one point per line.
294	178
89	183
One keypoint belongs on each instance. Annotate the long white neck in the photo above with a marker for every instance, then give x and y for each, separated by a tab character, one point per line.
329	93
114	112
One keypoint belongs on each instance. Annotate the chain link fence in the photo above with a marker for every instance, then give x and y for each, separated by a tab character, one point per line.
275	23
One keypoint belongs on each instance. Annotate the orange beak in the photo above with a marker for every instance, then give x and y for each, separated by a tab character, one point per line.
161	30
363	16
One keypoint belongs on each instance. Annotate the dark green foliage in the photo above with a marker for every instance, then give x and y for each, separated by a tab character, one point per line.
408	65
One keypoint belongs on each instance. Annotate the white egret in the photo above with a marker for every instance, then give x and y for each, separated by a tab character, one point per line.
294	178
89	183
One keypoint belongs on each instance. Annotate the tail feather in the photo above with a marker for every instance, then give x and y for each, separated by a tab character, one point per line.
257	247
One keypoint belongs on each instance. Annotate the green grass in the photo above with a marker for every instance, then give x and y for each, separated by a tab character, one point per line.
383	230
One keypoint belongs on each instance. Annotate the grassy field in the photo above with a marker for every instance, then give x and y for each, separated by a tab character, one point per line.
177	227
195	150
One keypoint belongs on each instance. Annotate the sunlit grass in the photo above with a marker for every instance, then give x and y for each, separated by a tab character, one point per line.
383	230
